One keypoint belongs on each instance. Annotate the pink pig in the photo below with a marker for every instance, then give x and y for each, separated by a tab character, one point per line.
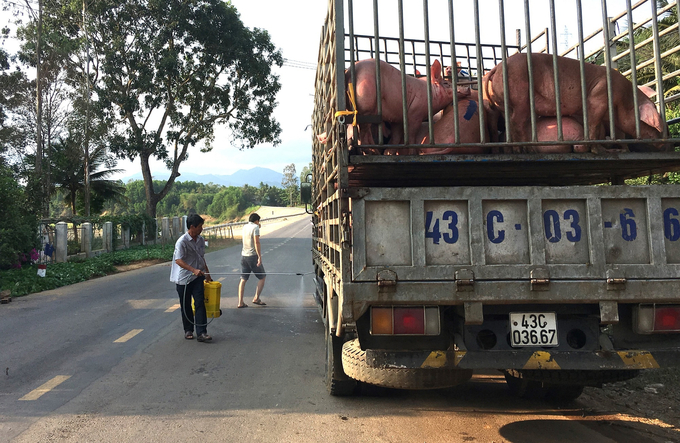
519	121
416	96
546	130
468	124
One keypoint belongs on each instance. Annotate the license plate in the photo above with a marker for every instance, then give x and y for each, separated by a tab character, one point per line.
533	329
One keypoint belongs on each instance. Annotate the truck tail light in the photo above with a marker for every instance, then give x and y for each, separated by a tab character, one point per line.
656	318
410	320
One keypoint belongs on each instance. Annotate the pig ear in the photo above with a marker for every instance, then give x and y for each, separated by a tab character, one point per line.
649	115
418	73
436	71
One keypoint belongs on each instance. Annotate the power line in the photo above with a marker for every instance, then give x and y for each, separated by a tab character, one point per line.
298	64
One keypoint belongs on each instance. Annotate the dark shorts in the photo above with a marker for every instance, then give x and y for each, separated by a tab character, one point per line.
248	265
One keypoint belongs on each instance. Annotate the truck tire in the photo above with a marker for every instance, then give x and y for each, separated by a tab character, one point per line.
337	382
354	364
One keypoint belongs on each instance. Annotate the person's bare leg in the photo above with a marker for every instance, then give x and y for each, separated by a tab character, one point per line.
258	290
241	290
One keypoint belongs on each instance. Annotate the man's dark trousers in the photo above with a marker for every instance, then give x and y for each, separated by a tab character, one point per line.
195	290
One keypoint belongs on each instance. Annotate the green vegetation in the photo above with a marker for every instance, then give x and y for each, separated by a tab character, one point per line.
26	281
221	203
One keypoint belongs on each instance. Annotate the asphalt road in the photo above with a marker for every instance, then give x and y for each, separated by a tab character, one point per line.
106	361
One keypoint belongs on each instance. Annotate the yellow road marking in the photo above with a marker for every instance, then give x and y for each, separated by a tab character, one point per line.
128	336
541	360
173	308
45	388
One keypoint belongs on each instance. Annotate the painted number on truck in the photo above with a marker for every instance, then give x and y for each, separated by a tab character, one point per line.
553	226
671	224
447	230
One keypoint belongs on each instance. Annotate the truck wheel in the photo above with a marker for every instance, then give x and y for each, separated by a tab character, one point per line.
354	363
337	382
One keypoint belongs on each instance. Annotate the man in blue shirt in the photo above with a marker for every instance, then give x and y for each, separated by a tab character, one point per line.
188	272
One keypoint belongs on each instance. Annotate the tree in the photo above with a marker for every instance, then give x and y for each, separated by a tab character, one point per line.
68	172
183	66
290	182
306	170
19	234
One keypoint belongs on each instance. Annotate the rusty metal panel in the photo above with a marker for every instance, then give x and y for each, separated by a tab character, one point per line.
447	233
671	223
625	230
388	233
566	235
573	232
507	227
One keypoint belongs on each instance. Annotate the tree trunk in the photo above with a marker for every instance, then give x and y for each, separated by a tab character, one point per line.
86	138
38	127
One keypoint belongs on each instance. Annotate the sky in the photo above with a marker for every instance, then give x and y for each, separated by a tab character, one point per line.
296	31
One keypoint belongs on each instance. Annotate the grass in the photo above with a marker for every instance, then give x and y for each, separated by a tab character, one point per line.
26	281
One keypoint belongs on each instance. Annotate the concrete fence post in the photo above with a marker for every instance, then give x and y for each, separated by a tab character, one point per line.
86	237
175	228
184	224
108	236
165	230
126	237
143	233
61	243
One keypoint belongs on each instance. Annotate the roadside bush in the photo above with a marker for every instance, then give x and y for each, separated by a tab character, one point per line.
19	230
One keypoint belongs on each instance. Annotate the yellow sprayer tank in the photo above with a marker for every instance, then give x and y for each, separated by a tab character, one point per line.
211	293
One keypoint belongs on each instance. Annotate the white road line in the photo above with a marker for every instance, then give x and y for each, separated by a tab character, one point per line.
45	388
128	336
173	308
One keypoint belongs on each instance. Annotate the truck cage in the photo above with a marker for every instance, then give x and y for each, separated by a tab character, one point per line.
340	172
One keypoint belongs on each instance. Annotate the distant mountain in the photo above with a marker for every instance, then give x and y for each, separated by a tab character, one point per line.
252	177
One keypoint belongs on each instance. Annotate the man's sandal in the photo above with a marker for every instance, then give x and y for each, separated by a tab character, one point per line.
259	302
204	337
189	335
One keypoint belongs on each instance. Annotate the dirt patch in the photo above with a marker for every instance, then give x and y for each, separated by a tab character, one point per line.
139	264
654	396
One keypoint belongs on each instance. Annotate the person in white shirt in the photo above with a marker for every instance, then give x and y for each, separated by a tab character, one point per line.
188	272
251	260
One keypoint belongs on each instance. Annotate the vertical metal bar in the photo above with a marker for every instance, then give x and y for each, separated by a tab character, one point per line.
480	73
504	49
350	19
426	24
558	97
454	73
633	69
657	68
341	99
608	64
402	67
582	64
378	79
532	95
546	32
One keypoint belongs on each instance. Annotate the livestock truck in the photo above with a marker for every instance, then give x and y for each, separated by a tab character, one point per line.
554	268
